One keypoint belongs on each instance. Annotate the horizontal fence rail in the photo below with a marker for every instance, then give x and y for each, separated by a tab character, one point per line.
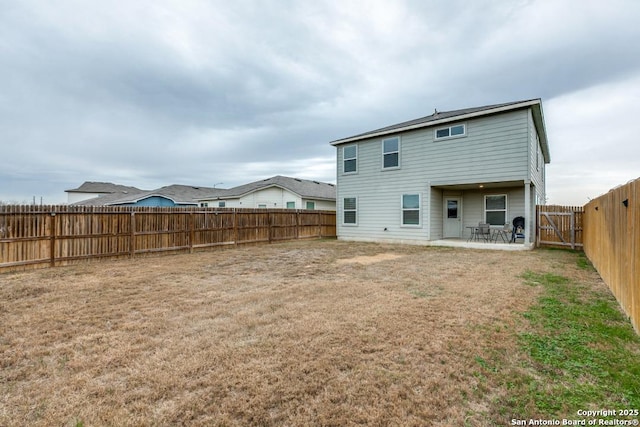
559	226
36	236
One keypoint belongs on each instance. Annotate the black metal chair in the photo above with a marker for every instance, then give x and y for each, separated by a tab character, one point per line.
518	229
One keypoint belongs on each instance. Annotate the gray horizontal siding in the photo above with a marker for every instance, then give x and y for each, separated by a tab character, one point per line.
537	165
495	149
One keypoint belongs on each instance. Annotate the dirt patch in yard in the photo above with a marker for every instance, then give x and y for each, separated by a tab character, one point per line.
302	333
371	259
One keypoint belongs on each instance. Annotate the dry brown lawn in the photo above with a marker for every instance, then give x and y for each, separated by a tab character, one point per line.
302	333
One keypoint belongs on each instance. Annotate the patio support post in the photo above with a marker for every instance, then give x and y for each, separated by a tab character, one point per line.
527	209
427	209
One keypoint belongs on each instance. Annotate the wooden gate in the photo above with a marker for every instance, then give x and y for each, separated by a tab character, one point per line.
559	226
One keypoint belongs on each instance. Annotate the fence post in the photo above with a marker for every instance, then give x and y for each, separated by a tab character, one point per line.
52	239
191	232
235	226
320	225
132	235
573	230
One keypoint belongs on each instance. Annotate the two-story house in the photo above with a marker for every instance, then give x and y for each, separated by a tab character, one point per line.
436	177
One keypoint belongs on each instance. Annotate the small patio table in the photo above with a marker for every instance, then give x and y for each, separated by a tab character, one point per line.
474	230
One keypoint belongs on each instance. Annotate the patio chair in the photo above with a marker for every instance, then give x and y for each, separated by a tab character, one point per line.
503	233
518	229
484	232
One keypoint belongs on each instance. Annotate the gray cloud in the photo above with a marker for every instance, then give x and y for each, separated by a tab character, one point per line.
154	93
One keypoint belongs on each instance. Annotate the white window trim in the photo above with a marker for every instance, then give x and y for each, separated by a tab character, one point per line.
391	152
356	159
537	152
349	224
506	207
462	135
402	209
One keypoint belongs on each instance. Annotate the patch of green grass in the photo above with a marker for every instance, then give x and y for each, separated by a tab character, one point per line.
583	262
578	352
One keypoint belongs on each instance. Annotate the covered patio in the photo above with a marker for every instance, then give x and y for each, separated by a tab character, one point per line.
464	243
465	206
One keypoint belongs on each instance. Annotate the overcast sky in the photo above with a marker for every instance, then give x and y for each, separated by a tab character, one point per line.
151	93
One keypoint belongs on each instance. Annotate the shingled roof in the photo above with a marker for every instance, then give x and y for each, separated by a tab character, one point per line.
103	187
179	194
302	187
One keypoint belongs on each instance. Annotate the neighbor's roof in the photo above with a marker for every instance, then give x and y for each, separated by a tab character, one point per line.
102	187
441	117
106	199
302	187
179	194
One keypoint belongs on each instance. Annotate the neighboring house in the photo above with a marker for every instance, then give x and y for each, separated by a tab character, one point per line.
278	192
91	190
432	178
169	196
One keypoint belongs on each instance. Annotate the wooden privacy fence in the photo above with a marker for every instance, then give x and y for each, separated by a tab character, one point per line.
57	235
612	243
559	226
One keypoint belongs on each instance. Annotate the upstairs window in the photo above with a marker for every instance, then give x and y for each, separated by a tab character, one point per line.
454	131
391	153
350	158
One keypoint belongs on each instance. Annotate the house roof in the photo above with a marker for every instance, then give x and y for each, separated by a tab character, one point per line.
302	187
179	194
105	199
102	187
442	117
